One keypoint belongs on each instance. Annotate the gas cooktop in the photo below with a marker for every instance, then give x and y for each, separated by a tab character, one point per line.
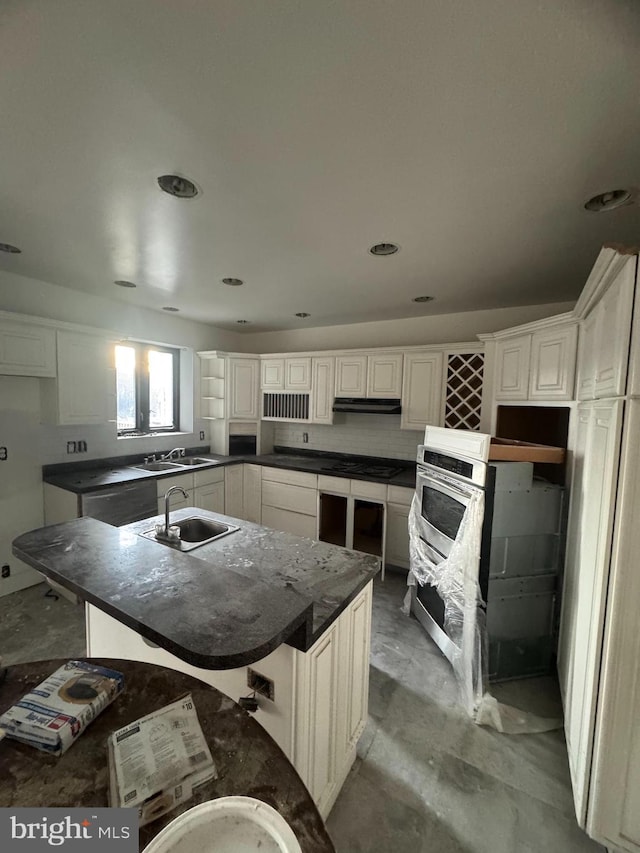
366	469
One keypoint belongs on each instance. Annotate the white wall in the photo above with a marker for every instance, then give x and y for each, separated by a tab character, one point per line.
434	329
364	435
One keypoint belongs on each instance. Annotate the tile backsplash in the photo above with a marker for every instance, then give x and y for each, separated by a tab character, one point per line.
365	435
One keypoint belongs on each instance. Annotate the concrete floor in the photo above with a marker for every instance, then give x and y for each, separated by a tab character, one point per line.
426	778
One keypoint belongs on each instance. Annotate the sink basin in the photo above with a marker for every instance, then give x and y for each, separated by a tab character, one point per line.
194	531
158	466
196	460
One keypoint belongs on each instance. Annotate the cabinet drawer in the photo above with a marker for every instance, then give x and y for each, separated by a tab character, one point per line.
294	498
292	478
165	483
338	485
289	522
363	489
208	476
400	495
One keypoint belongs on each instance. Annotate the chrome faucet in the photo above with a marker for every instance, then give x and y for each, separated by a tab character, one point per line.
180	451
164	534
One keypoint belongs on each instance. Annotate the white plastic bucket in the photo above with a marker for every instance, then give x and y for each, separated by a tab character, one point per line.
227	825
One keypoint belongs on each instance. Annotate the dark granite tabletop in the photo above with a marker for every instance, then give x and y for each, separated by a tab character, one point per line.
86	476
248	761
222	605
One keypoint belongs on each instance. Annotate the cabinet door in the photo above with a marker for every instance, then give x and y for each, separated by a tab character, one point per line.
513	358
210	497
297	374
422	390
613	350
397	541
384	375
272	374
27	350
243	391
322	390
351	376
318	700
252	496
355	680
553	363
86	379
289	522
233	491
590	329
586	578
614	798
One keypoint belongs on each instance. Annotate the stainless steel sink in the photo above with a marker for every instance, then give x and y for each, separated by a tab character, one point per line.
196	460
158	466
193	532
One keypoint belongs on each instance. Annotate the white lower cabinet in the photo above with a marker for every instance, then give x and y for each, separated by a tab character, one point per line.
251	493
320	703
210	497
397	541
233	491
290	501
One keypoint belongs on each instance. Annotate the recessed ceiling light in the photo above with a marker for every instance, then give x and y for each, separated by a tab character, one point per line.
384	249
233	282
302	314
423	299
610	200
123	283
243	322
169	308
12	250
178	186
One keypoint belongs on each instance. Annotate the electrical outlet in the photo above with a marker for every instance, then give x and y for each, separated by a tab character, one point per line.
3	454
261	684
82	447
201	435
305	437
5	571
71	447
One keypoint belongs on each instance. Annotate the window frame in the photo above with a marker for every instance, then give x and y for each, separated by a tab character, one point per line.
142	390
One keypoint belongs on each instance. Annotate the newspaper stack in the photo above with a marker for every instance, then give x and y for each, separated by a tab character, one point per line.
157	761
53	714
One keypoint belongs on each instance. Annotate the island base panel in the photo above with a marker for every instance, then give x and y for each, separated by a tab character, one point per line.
320	702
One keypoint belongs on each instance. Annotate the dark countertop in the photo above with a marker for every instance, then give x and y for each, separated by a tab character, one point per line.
277	587
81	479
248	761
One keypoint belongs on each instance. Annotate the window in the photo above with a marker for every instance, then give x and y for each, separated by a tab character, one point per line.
147	388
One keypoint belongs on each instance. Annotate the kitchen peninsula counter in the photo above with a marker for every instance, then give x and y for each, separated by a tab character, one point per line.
224	604
257	613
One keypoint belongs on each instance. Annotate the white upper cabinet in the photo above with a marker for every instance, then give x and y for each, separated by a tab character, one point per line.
378	375
243	389
539	363
553	363
351	376
322	388
297	374
27	350
422	390
605	330
85	389
384	375
513	357
286	374
272	374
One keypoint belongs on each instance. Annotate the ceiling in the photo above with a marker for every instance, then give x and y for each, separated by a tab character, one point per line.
469	133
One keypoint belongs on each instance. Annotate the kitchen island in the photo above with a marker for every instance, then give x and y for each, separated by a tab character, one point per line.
257	608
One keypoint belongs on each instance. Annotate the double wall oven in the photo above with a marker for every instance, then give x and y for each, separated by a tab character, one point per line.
518	531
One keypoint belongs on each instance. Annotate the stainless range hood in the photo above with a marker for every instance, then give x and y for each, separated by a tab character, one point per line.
365	406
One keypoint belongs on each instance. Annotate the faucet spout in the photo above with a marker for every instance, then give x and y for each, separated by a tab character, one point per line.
167	497
177	452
